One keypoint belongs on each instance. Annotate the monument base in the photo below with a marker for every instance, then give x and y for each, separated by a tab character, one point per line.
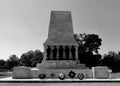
60	64
49	72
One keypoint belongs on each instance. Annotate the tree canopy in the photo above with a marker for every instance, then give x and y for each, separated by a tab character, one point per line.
31	58
88	49
90	42
112	60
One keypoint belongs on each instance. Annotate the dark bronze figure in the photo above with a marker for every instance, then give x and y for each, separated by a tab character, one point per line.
73	52
48	50
67	53
54	53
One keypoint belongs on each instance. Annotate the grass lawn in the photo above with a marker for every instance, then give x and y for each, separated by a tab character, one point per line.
5	74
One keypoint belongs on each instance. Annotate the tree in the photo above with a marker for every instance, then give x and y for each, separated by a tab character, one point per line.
37	58
12	62
2	64
90	42
31	58
88	49
25	59
8	64
112	60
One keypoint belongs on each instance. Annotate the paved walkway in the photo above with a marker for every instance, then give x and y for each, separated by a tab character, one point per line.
56	82
65	80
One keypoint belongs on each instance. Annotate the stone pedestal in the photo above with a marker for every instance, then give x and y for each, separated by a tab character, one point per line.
21	72
101	72
58	64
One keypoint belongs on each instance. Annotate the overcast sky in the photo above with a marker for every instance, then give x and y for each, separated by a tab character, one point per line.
24	23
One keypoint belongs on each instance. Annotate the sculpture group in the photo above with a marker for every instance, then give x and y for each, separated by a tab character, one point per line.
54	52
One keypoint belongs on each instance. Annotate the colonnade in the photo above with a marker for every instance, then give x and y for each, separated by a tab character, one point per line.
61	52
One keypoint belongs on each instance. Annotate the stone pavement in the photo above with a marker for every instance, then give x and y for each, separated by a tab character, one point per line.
56	82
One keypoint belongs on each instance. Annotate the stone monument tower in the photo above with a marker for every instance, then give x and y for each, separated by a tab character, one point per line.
60	48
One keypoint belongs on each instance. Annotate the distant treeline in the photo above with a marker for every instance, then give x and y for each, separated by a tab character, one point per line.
30	59
89	44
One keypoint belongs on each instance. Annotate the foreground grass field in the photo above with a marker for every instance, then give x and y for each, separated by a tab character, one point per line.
5	74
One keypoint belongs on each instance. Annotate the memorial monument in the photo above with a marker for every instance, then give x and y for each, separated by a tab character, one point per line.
60	51
60	48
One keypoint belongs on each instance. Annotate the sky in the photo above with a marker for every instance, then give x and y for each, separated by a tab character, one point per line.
24	23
